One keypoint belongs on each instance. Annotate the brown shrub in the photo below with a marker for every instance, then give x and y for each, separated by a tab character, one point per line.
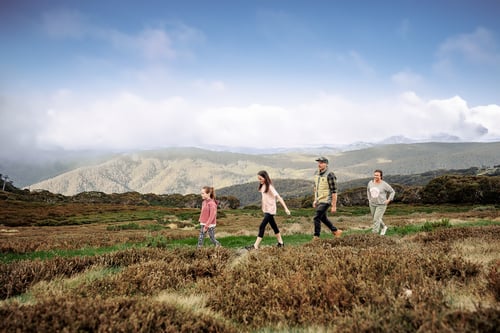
493	278
177	270
449	235
105	315
17	277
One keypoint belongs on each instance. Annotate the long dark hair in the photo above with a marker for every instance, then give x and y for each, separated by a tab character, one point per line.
267	180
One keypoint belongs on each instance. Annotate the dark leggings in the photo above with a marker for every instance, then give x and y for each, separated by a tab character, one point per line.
268	218
320	217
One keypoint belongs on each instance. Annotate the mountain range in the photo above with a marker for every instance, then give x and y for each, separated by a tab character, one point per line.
186	170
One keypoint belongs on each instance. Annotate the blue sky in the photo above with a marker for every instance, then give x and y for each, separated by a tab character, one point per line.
150	74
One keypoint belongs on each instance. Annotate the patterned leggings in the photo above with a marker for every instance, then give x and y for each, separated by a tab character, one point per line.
211	233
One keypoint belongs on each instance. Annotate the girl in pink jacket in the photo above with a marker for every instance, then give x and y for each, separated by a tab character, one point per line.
208	216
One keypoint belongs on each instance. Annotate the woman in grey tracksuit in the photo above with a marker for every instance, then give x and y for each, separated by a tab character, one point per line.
380	194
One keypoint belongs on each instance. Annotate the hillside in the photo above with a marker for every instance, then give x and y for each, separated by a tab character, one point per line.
185	170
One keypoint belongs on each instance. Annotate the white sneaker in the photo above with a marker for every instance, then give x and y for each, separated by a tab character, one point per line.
384	229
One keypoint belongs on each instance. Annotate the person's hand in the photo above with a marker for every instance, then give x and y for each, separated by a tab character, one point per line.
387	202
287	211
205	229
334	209
314	204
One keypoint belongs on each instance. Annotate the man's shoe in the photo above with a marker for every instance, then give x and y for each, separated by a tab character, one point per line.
384	229
280	245
337	233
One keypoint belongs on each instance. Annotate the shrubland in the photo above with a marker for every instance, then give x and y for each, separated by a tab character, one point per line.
129	262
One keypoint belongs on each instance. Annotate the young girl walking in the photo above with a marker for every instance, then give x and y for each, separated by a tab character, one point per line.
208	216
269	197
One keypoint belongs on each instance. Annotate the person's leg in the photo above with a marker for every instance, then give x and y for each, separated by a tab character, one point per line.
377	217
201	237
211	233
327	221
257	242
262	230
375	226
274	225
319	215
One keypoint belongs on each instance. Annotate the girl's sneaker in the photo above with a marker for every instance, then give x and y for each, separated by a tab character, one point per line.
280	245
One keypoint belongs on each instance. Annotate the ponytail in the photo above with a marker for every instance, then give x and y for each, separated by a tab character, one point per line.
209	190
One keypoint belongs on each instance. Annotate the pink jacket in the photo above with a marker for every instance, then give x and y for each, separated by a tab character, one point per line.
208	214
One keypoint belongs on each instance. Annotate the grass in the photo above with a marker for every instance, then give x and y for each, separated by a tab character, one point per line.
233	242
44	255
448	268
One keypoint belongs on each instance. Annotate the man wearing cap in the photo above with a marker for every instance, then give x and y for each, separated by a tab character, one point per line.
325	196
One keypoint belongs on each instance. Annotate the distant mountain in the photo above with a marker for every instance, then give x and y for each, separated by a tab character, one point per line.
186	170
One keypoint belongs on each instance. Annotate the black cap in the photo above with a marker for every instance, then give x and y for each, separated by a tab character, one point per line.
322	159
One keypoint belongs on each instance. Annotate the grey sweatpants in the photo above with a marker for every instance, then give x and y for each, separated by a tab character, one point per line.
377	212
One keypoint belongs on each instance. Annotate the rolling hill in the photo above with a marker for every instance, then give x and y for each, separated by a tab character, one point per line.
186	170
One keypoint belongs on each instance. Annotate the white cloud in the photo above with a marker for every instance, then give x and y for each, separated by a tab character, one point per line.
123	121
128	120
478	47
360	63
212	86
152	43
404	28
407	79
64	23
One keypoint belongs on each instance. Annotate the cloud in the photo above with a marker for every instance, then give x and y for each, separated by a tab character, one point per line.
152	43
361	64
121	121
64	23
404	28
128	120
479	47
212	86
407	79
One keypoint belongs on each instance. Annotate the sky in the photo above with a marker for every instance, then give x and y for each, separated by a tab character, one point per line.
132	75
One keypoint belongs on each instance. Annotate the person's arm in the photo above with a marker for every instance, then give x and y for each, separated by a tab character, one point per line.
392	193
332	184
334	202
280	199
282	202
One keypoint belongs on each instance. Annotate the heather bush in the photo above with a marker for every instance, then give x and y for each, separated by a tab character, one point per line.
69	314
177	270
328	281
493	278
17	277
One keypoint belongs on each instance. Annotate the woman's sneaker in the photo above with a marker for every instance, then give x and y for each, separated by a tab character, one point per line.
280	245
384	229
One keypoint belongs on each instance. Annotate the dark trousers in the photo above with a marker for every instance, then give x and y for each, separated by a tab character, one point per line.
321	216
268	218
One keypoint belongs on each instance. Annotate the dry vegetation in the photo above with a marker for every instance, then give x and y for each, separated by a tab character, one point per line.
444	280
